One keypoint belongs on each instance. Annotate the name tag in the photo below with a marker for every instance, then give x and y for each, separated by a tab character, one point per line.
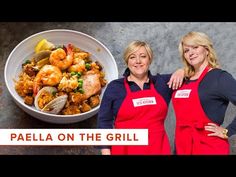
144	101
182	93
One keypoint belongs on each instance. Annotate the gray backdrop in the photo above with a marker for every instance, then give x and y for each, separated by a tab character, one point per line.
163	38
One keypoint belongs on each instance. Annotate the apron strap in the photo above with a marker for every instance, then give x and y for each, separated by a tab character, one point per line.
203	74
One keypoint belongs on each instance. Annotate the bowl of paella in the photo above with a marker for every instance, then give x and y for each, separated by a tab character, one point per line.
59	76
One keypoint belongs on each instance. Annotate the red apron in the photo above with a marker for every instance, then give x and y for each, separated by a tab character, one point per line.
144	109
190	135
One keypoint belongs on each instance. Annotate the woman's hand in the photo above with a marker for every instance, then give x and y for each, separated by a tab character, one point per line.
106	151
176	79
216	130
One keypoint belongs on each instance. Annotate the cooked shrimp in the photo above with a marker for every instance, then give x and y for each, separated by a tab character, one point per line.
80	56
78	67
48	75
60	59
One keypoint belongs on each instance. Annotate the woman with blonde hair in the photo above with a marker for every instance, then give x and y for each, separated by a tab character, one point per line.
139	100
201	102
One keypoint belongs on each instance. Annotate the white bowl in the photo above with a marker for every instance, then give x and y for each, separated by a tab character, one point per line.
25	49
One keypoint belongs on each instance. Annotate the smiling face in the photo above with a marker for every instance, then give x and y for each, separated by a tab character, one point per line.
196	50
195	55
138	62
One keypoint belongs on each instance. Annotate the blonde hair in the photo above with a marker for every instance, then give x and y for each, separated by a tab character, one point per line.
134	46
198	39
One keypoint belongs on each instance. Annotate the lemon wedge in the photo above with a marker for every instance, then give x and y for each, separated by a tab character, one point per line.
43	45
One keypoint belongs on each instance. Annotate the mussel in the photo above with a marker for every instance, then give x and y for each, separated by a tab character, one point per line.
41	55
